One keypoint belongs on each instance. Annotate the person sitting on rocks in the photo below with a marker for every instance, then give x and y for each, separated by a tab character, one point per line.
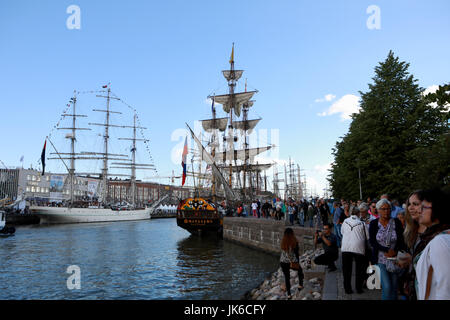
289	259
330	247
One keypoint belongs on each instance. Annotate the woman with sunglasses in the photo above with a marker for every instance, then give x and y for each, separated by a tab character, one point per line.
373	210
432	255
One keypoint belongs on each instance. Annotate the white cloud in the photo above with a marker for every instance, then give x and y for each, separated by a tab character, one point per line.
346	105
322	169
431	89
329	97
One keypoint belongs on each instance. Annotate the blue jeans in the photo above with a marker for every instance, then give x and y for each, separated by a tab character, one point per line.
291	219
389	283
301	219
338	233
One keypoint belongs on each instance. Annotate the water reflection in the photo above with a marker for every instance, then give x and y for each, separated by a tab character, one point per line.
127	260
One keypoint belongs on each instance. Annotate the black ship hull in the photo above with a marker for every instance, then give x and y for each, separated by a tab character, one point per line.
202	226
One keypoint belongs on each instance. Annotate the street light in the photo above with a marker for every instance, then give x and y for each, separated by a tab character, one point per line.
359	177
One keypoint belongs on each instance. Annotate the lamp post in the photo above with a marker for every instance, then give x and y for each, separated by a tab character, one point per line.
359	178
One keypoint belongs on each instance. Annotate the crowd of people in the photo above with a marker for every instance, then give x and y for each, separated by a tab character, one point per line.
410	244
302	212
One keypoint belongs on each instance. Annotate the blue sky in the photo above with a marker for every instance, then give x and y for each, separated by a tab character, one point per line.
165	57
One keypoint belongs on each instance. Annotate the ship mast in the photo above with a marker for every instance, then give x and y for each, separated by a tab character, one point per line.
300	190
213	150
105	156
105	142
245	118
210	160
230	141
232	103
72	137
72	148
133	165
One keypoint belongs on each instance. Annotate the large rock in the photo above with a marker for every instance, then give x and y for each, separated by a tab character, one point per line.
274	287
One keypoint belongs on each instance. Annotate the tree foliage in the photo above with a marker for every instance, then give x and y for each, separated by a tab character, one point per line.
399	141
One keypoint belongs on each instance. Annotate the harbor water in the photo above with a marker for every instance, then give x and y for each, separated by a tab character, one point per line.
152	259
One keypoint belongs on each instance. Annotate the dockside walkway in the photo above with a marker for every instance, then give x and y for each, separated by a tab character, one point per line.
265	234
333	288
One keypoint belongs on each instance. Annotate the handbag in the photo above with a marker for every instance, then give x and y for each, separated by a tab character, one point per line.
295	265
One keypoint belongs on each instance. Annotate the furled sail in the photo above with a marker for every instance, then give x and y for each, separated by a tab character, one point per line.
249	167
249	103
241	154
209	160
211	124
232	74
226	100
247	125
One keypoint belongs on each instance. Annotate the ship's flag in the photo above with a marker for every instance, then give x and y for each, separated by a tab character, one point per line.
43	158
232	55
183	161
106	86
212	105
21	159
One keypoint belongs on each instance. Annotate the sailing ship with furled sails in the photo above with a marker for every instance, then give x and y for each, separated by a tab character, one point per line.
236	177
104	210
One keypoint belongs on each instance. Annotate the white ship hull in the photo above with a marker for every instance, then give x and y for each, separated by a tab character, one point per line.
50	215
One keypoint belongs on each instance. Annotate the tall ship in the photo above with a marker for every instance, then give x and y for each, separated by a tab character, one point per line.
233	175
102	209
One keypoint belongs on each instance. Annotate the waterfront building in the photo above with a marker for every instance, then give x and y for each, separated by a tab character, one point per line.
52	187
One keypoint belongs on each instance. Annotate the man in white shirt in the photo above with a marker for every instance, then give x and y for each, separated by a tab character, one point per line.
354	235
254	208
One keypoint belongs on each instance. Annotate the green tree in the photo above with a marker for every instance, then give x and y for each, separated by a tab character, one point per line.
433	160
395	120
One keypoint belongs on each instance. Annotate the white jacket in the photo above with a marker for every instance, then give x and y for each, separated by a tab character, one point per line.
436	254
354	235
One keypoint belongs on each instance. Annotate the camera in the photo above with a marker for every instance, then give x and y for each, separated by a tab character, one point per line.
318	231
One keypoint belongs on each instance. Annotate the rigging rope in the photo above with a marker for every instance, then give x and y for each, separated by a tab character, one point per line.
93	92
140	130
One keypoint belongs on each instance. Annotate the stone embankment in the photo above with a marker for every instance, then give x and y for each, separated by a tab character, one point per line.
264	234
274	288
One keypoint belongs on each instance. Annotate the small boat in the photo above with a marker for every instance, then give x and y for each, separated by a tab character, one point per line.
199	216
5	231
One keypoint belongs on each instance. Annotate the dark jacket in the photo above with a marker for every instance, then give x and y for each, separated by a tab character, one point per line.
376	247
343	216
